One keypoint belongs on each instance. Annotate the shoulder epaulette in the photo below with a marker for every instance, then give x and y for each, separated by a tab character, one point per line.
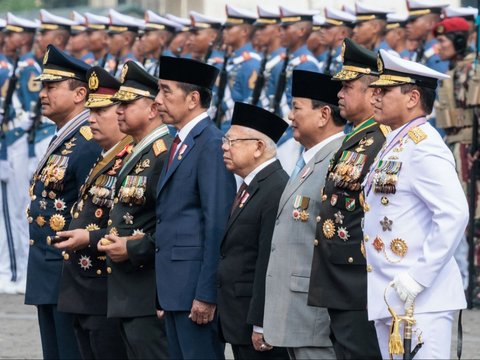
417	135
86	132
159	147
385	130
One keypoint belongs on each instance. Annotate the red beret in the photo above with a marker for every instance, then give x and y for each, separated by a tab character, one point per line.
449	25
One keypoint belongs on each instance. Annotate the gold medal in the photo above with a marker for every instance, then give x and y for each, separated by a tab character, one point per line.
304	215
92	227
328	228
40	220
57	222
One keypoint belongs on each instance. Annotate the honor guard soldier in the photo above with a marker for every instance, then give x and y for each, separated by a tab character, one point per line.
370	26
338	26
338	280
314	41
54	30
267	31
19	34
250	153
130	239
123	31
422	18
468	13
98	39
55	186
83	286
395	35
178	46
207	39
415	216
242	65
78	42
194	199
318	126
157	34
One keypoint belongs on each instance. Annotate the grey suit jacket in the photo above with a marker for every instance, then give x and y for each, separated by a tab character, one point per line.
288	320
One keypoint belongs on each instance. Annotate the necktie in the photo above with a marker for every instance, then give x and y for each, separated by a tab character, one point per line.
298	166
238	197
173	150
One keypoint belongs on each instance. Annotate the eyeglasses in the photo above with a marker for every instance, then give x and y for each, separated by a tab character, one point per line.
230	142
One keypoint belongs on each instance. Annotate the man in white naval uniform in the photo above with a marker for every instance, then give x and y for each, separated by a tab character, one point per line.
415	212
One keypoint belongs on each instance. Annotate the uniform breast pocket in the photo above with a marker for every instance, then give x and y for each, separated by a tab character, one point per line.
344	201
346	254
299	283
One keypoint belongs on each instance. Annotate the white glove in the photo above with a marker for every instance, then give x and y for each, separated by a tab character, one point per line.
407	288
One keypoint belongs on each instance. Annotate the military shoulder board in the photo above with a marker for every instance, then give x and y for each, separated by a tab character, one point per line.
86	132
385	130
417	135
159	147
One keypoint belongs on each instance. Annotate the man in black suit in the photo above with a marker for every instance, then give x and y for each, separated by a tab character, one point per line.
249	151
83	286
338	279
130	243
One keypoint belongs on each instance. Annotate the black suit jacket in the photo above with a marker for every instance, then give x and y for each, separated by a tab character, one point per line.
83	286
131	283
244	255
338	278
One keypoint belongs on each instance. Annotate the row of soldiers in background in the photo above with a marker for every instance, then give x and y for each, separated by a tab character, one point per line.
250	50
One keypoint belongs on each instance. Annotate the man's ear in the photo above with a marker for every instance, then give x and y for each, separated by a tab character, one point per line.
80	94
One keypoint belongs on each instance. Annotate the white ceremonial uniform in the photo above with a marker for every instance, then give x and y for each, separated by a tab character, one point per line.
415	230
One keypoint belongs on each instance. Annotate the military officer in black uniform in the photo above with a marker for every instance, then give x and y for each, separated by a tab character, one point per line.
339	277
83	287
55	186
130	242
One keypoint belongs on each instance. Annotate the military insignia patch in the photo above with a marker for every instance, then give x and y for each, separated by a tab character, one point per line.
377	244
328	228
338	217
349	204
343	233
93	81
334	199
86	132
128	219
379	64
59	204
386	224
85	262
159	147
98	213
34	86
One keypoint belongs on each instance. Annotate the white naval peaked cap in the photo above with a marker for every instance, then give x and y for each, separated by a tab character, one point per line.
80	23
291	16
349	9
263	12
50	21
201	21
238	16
17	24
318	22
178	20
469	13
396	71
78	18
396	20
418	8
154	21
120	22
334	17
366	12
96	22
3	23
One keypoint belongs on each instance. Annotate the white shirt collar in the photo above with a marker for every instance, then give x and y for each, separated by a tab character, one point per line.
248	179
310	153
60	131
183	133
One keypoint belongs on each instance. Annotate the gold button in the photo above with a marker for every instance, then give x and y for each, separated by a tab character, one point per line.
110	222
49	240
33	197
66	256
350	260
369	268
30	219
109	270
366	238
99	272
318	219
324	197
75	216
115	200
32	242
315	242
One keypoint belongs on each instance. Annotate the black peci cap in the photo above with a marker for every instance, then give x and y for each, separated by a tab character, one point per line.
188	71
58	66
136	83
357	61
315	86
101	88
256	118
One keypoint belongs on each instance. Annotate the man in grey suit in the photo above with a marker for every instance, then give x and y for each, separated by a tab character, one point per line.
317	125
